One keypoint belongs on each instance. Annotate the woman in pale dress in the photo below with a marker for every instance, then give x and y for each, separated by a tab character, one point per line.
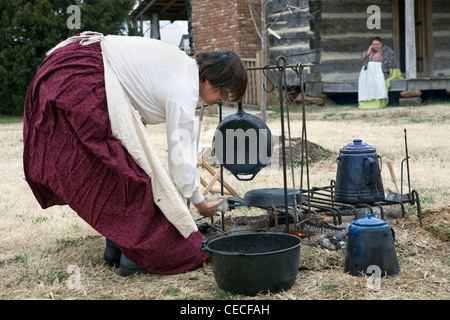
380	66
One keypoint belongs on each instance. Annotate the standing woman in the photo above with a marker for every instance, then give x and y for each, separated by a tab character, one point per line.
380	66
72	154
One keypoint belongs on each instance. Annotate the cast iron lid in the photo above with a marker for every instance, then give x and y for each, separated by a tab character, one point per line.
357	146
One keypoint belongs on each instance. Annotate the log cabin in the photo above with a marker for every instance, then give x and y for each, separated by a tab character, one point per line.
330	34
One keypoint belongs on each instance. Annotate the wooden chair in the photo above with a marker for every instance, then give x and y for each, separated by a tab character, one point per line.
228	190
204	149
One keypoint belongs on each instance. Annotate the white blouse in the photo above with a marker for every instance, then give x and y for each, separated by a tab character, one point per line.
162	83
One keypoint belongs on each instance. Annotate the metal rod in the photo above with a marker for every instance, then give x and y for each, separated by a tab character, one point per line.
221	171
282	69
407	163
304	148
275	67
291	160
415	197
219	103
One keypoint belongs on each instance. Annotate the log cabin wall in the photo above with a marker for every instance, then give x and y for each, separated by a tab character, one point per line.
344	36
298	42
441	37
332	34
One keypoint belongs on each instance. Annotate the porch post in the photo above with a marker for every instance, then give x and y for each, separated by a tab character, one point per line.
410	41
155	27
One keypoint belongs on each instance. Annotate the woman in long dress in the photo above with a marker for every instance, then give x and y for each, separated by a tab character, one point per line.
380	66
71	157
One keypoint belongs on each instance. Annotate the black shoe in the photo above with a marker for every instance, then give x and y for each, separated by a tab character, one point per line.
112	254
128	267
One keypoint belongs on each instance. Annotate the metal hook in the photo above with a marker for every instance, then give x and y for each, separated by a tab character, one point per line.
267	77
281	68
298	68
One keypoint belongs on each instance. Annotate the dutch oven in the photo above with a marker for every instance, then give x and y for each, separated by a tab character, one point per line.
252	263
243	144
358	177
371	242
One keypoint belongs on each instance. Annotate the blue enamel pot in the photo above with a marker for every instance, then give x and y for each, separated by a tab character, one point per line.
358	177
371	243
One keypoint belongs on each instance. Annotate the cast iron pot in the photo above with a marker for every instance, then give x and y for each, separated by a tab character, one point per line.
243	144
250	263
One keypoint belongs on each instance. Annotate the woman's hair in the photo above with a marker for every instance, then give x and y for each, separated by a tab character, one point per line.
225	71
377	39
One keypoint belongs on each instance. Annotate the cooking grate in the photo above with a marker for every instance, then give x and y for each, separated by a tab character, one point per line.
321	199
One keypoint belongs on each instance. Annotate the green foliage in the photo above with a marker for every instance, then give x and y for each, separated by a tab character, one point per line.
28	29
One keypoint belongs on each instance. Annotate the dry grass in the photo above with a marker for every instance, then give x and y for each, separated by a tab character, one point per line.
38	247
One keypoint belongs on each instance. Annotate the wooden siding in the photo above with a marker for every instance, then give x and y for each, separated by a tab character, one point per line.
331	34
297	37
441	37
344	36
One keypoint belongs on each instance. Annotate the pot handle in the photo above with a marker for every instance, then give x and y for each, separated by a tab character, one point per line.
203	246
393	234
244	179
369	170
240	108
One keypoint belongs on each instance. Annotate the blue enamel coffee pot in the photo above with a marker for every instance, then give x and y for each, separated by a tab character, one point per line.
371	242
358	177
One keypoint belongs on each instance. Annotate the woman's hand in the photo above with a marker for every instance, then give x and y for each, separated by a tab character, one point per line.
370	50
208	209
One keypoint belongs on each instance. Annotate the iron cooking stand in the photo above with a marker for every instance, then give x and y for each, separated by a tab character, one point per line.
281	67
316	200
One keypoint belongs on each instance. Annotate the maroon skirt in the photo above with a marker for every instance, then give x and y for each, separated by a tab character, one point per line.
71	157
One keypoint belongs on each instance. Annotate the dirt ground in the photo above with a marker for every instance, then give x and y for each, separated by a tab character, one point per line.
53	254
298	150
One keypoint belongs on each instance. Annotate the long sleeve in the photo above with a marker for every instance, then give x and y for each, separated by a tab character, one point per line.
162	83
364	56
181	139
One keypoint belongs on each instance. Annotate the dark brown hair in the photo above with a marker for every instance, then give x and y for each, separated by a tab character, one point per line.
377	39
225	71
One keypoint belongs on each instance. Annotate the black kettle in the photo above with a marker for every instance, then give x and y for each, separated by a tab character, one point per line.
358	177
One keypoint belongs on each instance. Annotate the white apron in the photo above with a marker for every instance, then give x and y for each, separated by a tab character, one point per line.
371	83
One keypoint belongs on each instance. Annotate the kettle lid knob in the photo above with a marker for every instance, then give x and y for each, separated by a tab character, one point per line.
357	146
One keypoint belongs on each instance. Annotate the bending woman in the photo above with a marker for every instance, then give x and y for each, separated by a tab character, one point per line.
380	66
71	155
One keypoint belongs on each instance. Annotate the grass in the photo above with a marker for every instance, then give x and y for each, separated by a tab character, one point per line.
53	254
14	260
5	119
173	291
439	228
